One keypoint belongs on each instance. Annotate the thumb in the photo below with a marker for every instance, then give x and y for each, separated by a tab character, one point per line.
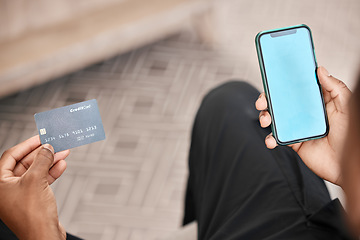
42	162
338	91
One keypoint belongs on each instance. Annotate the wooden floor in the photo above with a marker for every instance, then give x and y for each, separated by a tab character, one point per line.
131	186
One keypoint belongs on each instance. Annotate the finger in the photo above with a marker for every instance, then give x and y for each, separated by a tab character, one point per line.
16	153
62	229
327	96
56	171
26	162
339	92
61	155
22	149
261	102
265	119
43	161
296	146
270	141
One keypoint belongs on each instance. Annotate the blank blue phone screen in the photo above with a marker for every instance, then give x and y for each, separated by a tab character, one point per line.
290	69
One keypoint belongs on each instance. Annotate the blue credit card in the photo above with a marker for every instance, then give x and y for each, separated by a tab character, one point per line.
70	126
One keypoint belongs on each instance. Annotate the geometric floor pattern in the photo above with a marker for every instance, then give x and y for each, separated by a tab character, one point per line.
131	186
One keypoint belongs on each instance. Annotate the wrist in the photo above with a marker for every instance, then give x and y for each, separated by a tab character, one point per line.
43	230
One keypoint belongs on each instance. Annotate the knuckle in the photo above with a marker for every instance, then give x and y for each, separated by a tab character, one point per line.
342	88
340	83
25	164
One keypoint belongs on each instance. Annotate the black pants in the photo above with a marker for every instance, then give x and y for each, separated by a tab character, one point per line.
239	189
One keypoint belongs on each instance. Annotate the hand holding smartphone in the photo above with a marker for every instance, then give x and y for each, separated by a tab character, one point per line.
294	101
288	68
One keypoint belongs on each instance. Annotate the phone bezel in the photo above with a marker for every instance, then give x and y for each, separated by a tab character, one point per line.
266	88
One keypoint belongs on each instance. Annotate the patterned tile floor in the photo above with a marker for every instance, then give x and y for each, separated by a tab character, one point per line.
131	186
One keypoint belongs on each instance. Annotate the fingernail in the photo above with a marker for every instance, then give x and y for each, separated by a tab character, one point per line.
324	71
49	147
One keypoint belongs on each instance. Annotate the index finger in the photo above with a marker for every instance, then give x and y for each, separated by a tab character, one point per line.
18	152
261	102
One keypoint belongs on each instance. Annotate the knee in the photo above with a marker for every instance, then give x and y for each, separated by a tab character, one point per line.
232	93
231	97
239	85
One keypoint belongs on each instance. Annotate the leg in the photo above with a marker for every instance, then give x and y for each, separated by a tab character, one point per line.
237	187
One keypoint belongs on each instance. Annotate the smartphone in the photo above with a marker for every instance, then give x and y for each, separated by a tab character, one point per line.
288	69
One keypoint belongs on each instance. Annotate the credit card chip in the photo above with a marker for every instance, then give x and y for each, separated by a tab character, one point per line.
42	131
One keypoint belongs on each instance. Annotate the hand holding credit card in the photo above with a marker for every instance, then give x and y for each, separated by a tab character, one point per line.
70	126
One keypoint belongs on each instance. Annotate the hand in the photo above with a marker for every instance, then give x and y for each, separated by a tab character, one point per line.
27	203
322	155
54	173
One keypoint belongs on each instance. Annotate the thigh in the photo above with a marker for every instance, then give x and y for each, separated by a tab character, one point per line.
238	187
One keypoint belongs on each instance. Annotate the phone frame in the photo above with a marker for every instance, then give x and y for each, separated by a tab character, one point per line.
266	88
